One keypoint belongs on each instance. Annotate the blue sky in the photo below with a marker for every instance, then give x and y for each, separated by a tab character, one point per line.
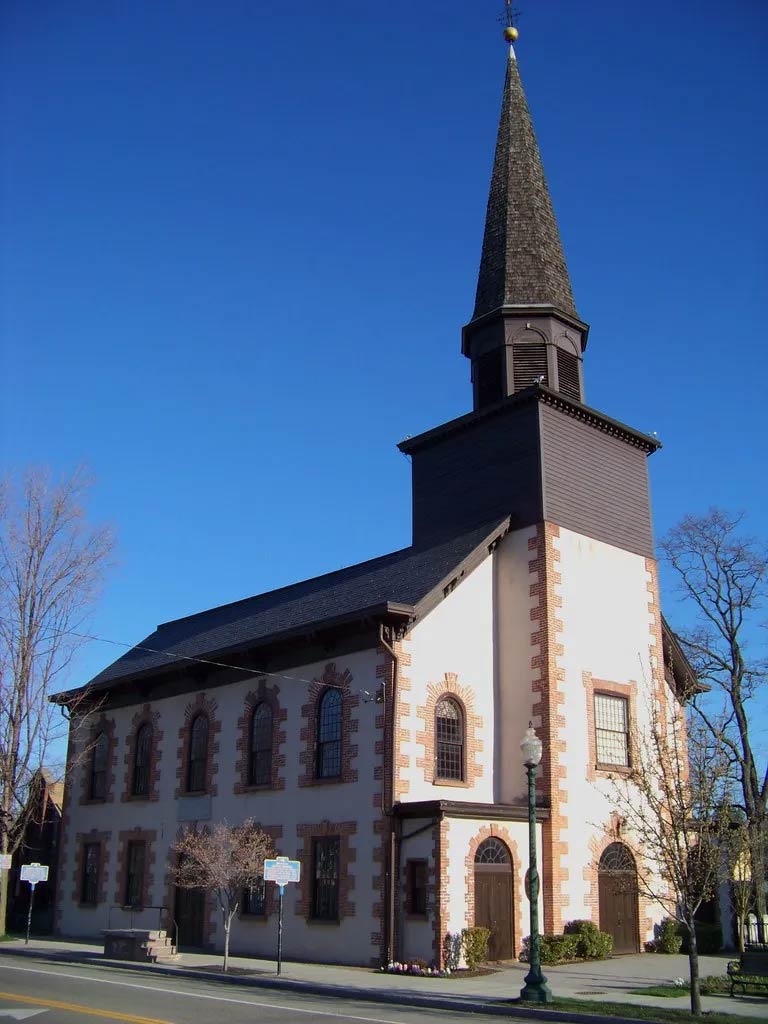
239	241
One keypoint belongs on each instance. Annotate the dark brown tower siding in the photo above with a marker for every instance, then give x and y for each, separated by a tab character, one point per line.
533	460
486	470
595	484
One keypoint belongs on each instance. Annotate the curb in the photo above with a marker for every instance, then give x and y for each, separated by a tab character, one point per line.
463	1004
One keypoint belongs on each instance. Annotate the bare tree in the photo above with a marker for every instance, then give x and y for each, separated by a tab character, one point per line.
723	576
674	803
51	568
224	861
738	863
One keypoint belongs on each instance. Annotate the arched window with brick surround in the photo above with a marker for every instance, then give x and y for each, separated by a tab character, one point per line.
197	761
449	740
97	783
328	763
260	746
142	756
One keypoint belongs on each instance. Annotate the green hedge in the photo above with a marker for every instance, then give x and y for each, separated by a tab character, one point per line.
555	949
474	942
669	939
592	944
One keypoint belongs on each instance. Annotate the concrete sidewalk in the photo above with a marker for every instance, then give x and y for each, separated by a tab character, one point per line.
601	981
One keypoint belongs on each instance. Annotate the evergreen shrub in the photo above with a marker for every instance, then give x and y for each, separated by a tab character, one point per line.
474	942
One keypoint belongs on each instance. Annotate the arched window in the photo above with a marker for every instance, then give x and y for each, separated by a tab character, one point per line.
97	789
449	736
492	851
328	764
198	754
617	859
142	753
260	767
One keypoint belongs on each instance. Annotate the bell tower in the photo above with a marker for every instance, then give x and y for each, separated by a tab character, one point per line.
524	329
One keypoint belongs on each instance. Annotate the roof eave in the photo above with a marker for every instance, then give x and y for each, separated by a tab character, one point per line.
383	610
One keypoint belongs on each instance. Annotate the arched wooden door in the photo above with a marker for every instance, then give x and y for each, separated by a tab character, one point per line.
617	887
494	897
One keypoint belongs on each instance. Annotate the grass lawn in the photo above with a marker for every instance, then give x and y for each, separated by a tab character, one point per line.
653	1013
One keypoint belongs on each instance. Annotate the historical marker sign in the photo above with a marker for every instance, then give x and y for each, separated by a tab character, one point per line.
282	870
34	873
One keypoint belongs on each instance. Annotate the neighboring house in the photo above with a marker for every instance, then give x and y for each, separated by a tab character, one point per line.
370	719
40	844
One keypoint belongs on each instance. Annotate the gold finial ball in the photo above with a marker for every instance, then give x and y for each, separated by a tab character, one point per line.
511	34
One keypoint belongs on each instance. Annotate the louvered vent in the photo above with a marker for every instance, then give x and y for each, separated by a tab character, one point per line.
568	375
530	365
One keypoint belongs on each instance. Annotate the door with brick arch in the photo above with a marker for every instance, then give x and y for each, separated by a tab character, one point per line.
494	897
189	914
617	887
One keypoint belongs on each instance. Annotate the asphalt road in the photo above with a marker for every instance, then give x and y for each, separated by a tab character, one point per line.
51	993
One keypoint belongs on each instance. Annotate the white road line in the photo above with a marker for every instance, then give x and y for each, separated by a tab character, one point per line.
199	995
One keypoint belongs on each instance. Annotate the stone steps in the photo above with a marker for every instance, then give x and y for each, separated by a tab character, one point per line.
139	945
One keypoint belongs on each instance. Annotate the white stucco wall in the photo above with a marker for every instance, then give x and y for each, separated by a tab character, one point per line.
455	637
606	631
349	940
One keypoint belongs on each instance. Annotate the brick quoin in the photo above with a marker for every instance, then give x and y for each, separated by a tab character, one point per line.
152	718
107	726
498	832
263	694
347	856
438	889
549	720
207	707
473	745
349	702
656	639
402	734
81	839
147	884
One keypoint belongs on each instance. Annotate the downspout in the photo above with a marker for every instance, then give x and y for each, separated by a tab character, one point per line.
391	870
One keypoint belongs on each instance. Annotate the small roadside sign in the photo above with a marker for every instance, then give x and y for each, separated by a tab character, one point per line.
282	870
5	861
34	873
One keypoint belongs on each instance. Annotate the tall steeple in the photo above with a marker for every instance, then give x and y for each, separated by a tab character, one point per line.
522	262
524	329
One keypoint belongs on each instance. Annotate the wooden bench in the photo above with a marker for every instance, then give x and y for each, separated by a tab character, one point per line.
750	971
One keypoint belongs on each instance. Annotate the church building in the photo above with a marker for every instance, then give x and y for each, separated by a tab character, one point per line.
370	719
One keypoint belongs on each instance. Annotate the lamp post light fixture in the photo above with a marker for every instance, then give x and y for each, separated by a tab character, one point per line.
536	989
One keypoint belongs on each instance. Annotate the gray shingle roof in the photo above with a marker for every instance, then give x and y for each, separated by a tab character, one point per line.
404	577
522	261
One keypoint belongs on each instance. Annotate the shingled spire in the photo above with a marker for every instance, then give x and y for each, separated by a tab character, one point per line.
522	262
523	274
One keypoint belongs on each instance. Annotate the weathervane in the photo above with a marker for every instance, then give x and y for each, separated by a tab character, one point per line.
510	15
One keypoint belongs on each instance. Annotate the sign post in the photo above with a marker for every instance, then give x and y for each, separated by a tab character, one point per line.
32	873
282	871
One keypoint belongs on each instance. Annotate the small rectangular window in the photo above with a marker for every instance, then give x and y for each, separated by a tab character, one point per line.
254	899
325	879
89	884
416	888
134	877
612	730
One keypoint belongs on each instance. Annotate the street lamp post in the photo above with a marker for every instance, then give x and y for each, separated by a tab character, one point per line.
536	989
